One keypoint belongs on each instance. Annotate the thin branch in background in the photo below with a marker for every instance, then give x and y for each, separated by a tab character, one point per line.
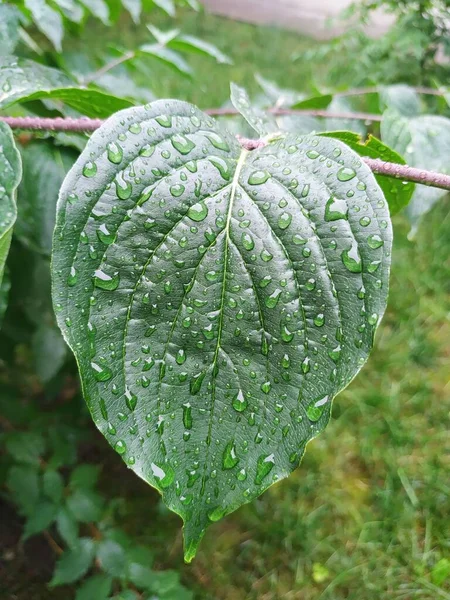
404	172
376	89
108	67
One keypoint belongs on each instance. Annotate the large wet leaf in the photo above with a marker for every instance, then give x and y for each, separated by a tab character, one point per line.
216	299
23	80
10	173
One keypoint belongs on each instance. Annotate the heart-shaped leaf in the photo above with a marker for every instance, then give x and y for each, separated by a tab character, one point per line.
216	299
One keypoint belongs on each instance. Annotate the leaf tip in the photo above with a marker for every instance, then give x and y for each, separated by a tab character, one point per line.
192	536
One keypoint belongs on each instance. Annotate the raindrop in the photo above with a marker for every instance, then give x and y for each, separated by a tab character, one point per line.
316	408
72	277
164	473
374	241
352	259
164	120
120	447
229	458
336	209
105	236
284	220
247	241
182	144
101	372
130	399
106	282
187	415
263	467
198	211
89	169
177	190
258	177
272	300
266	255
239	402
346	174
115	153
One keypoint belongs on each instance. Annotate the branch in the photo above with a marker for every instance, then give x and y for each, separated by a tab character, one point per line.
106	68
56	124
431	178
404	172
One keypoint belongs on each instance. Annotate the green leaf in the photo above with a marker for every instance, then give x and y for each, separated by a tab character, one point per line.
84	477
165	582
189	43
402	98
44	168
440	571
278	96
125	595
341	104
424	141
397	193
5	287
49	351
23	484
163	37
10	174
74	563
316	102
48	21
141	576
23	80
85	505
9	28
43	515
67	527
168	57
97	587
71	10
25	446
263	123
168	6
98	8
112	558
230	296
53	485
134	7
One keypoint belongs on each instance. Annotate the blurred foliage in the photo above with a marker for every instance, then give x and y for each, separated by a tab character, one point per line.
366	516
415	50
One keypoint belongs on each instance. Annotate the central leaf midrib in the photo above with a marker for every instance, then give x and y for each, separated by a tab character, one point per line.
234	186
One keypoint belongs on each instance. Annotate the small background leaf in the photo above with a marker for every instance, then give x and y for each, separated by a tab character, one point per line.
74	563
261	122
9	28
424	141
10	174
